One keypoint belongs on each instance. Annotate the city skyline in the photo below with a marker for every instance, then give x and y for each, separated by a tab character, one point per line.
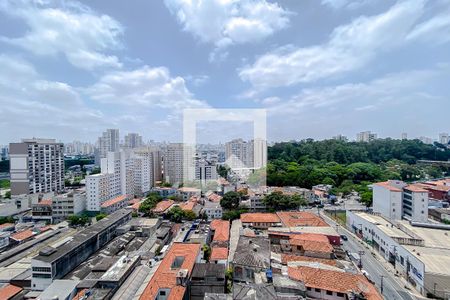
320	68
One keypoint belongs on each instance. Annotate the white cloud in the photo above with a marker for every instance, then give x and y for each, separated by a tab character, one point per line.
379	93
346	4
435	30
32	106
74	30
228	22
349	48
145	88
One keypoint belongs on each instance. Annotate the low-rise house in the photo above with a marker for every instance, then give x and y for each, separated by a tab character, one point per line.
162	207
164	192
60	289
439	214
7	227
300	218
311	247
219	255
114	204
10	292
22	236
4	239
213	210
333	284
186	193
260	220
220	230
172	278
251	258
207	278
71	203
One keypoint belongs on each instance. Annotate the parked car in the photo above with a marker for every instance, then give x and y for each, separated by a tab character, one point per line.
344	237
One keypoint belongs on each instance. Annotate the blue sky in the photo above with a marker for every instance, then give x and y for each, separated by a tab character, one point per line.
71	69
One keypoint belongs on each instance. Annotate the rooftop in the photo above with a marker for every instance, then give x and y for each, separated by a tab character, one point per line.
221	230
329	231
189	190
59	289
336	281
202	270
416	188
253	251
219	253
9	291
382	224
189	205
54	254
388	186
436	238
285	258
162	206
312	246
165	276
435	260
259	218
114	201
22	235
300	218
6	225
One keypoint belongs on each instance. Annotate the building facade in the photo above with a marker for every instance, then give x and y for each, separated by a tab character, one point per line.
36	166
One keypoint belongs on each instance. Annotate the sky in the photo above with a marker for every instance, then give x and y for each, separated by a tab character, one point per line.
71	69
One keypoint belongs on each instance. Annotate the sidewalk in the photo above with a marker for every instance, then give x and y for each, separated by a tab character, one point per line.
390	268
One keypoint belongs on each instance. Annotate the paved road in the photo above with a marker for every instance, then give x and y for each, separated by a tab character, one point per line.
392	288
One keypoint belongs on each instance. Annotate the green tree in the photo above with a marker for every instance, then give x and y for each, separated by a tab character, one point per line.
8	195
175	214
100	216
230	200
189	215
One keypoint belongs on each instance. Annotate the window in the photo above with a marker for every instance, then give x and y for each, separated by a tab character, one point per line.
329	293
340	294
162	293
308	288
317	290
177	262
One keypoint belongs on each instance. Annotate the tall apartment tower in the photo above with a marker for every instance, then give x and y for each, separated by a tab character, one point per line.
366	136
178	163
36	166
404	136
444	138
239	154
108	142
133	140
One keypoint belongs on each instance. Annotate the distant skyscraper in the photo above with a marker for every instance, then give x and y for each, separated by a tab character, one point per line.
444	138
366	136
108	142
36	166
426	140
404	136
340	137
133	140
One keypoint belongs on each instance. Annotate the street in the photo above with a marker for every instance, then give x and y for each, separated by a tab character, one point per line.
392	288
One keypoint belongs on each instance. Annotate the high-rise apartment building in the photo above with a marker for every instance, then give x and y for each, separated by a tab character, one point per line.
133	140
36	166
178	163
246	154
205	170
366	136
108	142
404	136
444	138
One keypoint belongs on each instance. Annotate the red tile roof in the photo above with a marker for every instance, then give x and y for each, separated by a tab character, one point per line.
315	237
165	275
46	202
388	186
300	218
214	198
22	235
219	253
113	201
189	190
312	246
162	206
416	188
6	225
189	205
259	218
341	282
221	230
9	291
285	258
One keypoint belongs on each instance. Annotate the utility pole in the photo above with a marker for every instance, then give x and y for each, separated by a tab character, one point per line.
381	285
